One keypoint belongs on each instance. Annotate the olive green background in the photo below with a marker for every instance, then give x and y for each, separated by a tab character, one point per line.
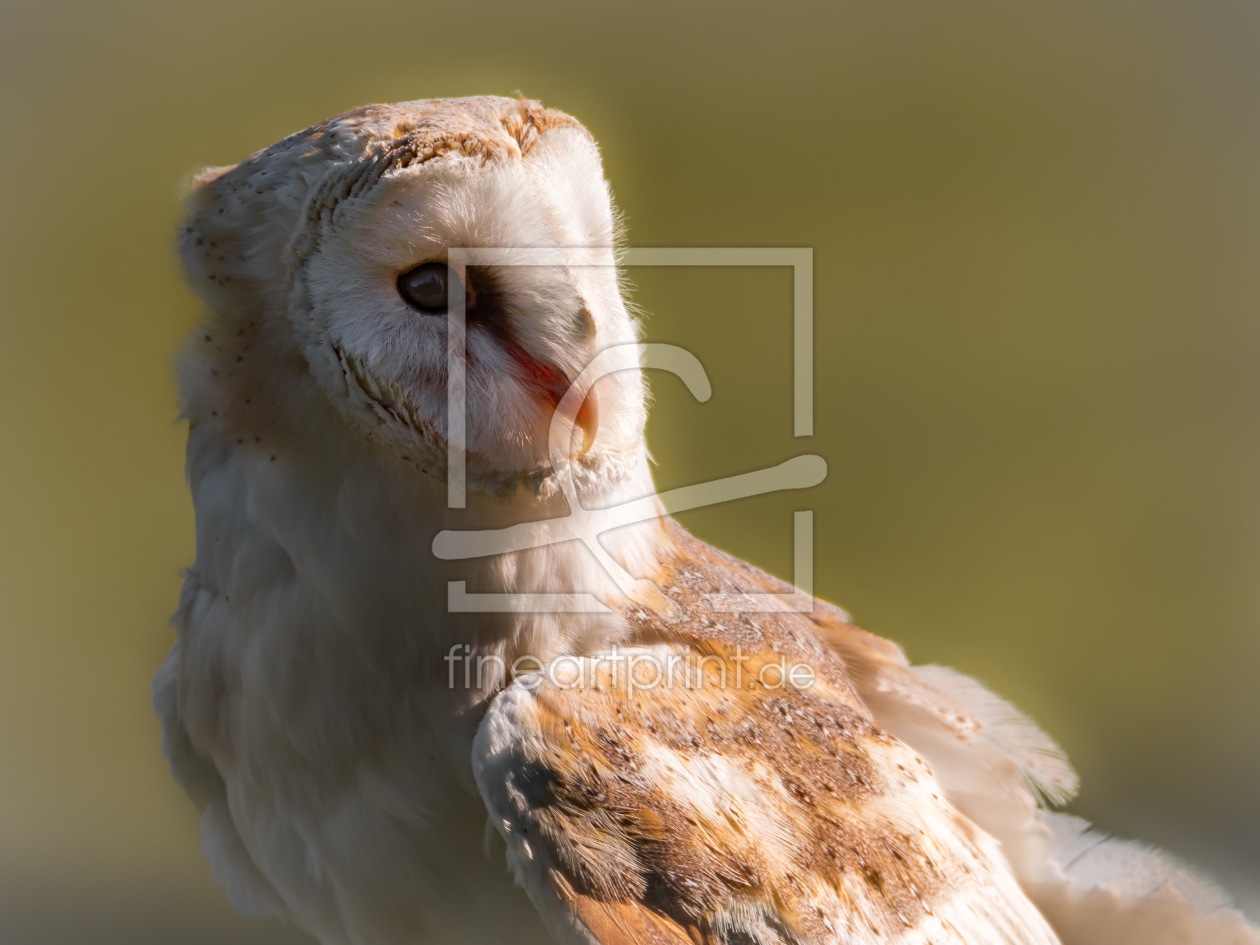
1036	230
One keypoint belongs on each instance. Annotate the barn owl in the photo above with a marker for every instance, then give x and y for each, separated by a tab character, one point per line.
358	779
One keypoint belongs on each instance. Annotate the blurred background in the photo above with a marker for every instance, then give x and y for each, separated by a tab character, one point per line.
1036	231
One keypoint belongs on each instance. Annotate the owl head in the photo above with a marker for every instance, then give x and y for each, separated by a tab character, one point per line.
336	261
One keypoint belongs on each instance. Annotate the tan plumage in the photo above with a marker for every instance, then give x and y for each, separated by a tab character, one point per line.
735	802
346	778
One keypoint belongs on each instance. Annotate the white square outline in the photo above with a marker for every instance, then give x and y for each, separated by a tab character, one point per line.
801	262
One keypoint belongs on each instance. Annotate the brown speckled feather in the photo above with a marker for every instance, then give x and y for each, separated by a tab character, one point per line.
726	804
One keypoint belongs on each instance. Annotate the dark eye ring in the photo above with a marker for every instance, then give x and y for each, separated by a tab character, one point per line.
428	287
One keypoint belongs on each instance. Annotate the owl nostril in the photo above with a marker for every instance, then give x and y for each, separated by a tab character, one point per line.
584	324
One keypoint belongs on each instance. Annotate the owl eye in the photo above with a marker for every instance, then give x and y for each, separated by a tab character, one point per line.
427	287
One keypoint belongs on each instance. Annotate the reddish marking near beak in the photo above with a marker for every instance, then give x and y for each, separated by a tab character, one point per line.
553	385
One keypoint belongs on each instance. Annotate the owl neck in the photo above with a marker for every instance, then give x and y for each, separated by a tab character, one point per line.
526	574
536	574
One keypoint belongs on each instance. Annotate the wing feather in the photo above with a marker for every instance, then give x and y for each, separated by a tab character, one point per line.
699	812
1102	891
622	923
997	767
728	814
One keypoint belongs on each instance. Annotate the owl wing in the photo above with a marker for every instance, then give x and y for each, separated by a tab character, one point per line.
998	768
685	794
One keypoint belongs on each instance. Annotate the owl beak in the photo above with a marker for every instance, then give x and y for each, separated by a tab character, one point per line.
586	417
588	420
554	390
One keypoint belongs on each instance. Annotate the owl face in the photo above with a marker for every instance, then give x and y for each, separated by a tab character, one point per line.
358	219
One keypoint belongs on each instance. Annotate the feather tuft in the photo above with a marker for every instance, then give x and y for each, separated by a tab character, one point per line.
1042	763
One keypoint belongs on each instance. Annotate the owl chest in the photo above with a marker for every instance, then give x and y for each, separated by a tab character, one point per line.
344	754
